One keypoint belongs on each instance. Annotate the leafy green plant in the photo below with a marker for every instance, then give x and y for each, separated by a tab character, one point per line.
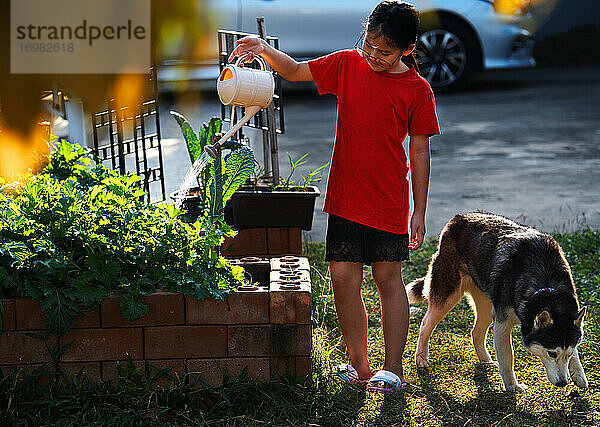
196	143
221	176
238	169
307	180
76	233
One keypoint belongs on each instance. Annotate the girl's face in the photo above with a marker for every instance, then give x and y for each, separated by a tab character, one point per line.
380	55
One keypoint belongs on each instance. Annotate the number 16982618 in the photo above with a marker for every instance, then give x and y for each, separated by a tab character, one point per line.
46	47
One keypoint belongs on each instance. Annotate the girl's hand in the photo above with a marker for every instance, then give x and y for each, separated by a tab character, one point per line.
250	45
417	231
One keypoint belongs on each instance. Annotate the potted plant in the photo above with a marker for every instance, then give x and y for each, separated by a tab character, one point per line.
257	203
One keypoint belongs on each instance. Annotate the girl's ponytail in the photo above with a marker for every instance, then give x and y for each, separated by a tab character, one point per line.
399	23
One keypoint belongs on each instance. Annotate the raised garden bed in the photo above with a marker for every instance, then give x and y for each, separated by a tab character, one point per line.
269	242
265	329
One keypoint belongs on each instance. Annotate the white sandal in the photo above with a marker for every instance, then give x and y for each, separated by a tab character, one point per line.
392	382
348	374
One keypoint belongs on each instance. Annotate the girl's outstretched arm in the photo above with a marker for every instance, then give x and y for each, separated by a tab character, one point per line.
418	151
285	65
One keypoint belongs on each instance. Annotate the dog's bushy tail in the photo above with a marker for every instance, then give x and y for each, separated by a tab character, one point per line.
414	291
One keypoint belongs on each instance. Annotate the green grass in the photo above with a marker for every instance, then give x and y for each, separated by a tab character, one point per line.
455	391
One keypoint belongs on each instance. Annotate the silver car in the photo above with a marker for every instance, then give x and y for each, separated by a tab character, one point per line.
459	38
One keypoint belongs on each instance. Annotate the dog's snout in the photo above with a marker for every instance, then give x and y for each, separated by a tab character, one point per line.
561	383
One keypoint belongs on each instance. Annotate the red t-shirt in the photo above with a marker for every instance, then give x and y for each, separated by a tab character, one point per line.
368	176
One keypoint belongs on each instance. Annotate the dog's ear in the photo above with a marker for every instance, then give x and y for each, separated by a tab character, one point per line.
542	320
580	316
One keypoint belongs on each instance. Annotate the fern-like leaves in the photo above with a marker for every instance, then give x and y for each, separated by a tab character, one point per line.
239	166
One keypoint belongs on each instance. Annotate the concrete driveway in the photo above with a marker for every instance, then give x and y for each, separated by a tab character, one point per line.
521	143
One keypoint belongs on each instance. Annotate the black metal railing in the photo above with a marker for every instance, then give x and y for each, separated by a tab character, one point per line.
127	138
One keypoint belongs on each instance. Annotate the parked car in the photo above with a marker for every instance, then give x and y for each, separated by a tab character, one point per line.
459	39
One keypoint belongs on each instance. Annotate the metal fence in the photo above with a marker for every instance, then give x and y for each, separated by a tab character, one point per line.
127	138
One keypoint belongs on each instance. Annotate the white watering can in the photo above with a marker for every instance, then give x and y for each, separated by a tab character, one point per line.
243	87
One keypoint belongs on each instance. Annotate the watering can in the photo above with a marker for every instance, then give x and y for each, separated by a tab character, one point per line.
243	87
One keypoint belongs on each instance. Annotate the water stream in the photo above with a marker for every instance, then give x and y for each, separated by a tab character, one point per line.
190	178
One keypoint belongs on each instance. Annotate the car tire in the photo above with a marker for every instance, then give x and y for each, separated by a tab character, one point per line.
448	54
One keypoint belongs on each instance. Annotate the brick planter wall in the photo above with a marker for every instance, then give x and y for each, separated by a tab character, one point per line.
264	242
266	329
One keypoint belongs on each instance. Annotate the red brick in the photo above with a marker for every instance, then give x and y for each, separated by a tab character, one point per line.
110	371
290	306
280	275
294	366
8	318
174	342
87	318
284	241
103	344
27	369
29	314
19	348
241	307
164	308
283	366
251	241
269	340
291	262
212	371
257	271
91	370
304	368
7	370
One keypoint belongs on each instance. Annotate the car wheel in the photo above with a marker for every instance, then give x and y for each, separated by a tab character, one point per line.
447	55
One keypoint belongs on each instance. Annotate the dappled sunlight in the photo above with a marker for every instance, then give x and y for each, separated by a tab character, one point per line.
515	7
370	410
129	90
181	30
456	389
23	154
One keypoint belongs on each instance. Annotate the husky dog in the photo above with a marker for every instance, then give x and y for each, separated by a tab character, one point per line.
513	274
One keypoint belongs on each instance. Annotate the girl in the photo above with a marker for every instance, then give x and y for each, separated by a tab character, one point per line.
381	99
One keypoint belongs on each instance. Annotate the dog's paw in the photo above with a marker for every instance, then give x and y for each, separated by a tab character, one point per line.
516	388
421	360
579	379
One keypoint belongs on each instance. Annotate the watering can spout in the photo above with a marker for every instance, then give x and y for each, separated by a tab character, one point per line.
249	112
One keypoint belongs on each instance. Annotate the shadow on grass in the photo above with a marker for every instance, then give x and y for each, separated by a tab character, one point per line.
490	407
395	407
340	407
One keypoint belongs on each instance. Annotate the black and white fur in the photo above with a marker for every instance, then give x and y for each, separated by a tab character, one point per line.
513	274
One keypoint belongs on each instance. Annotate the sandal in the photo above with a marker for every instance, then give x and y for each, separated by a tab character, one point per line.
348	374
391	383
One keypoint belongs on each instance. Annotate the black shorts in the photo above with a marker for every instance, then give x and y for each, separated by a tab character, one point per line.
350	241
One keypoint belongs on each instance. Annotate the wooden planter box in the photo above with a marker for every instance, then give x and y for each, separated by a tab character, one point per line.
266	330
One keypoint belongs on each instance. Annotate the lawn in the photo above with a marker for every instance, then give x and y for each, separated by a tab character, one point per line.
454	391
